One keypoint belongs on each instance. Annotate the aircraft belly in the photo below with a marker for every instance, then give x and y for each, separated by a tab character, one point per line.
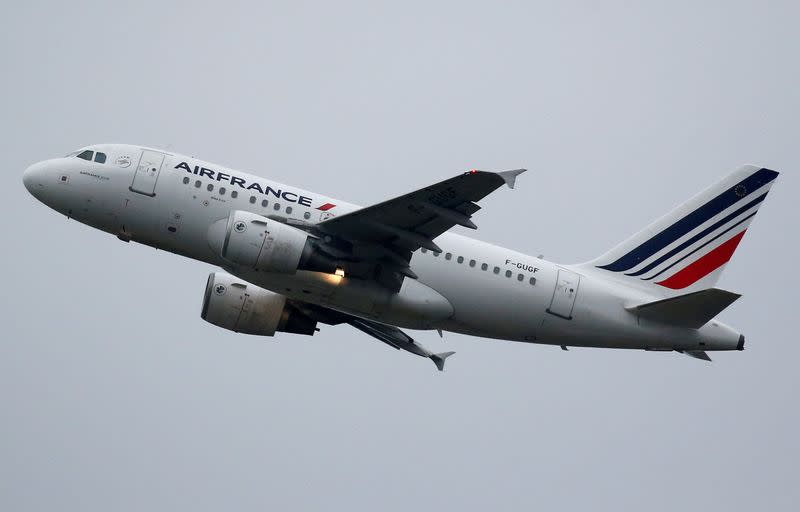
490	305
415	306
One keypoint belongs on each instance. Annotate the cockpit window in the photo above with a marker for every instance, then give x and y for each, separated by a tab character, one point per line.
86	155
100	158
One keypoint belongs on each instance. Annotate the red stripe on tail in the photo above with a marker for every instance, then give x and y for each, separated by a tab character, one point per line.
704	266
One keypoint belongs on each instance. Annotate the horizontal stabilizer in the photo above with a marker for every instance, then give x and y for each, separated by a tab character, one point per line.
697	354
692	310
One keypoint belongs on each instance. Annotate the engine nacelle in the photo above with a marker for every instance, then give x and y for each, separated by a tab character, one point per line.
263	244
239	306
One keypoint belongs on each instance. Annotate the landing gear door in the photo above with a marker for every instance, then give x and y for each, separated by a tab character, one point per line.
146	175
564	294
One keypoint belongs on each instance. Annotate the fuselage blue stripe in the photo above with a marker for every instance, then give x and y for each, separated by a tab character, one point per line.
672	233
673	252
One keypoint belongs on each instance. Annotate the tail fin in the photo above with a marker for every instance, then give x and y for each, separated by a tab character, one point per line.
687	249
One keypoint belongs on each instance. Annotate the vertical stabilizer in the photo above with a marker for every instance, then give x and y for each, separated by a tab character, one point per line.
687	249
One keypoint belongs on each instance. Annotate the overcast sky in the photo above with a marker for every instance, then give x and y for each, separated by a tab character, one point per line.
115	395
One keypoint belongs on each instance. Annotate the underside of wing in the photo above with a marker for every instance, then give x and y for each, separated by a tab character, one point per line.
392	336
387	233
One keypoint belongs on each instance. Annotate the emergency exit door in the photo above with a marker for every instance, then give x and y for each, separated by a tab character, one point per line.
146	175
564	294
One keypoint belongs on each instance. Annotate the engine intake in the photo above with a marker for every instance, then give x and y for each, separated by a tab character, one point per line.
256	242
239	306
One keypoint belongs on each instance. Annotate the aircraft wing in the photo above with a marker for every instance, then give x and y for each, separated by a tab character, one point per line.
406	223
396	338
392	336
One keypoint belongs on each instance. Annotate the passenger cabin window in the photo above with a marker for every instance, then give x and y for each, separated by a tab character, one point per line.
307	215
222	191
86	155
100	158
234	194
252	199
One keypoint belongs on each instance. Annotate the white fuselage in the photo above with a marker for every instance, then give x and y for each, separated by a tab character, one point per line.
494	292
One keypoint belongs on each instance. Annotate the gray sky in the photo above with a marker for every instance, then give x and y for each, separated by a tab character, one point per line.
115	395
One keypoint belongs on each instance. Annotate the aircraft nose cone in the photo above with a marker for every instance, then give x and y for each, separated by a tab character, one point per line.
32	178
27	178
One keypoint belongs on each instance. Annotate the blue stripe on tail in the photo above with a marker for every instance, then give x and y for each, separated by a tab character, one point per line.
691	221
698	236
701	247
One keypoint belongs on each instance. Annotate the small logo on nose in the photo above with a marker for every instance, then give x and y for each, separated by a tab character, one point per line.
240	227
220	289
123	161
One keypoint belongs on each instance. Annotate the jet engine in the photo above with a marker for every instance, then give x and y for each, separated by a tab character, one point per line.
239	306
256	242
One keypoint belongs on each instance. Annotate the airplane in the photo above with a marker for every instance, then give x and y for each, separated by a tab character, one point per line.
293	259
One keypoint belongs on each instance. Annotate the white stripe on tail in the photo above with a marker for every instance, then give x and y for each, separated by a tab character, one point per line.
687	249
